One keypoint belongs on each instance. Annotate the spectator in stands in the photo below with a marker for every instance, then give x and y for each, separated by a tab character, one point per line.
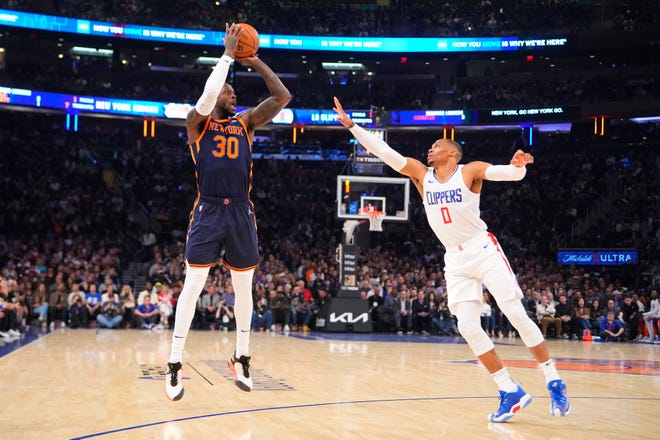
151	290
148	240
146	314
75	290
281	309
612	307
321	310
631	316
107	284
529	305
208	305
228	295
299	310
110	315
545	313
165	304
224	316
564	311
17	297
127	300
403	312
262	317
9	328
445	322
157	271
40	303
610	328
596	316
421	312
376	304
77	311
582	317
58	306
110	292
93	301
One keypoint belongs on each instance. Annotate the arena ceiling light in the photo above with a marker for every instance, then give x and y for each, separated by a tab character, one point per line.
91	51
343	66
207	61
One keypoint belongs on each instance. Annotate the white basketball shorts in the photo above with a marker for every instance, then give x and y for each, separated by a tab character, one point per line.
479	261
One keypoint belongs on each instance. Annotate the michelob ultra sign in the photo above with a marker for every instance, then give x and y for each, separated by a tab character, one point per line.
597	257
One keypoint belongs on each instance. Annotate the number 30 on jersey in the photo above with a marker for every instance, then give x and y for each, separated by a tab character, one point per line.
226	146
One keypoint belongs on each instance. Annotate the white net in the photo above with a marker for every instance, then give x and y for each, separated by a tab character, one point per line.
376	220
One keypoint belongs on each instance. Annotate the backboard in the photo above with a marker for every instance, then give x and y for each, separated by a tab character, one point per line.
388	194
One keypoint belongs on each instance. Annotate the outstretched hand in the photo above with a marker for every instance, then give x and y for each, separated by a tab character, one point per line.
342	117
520	159
231	38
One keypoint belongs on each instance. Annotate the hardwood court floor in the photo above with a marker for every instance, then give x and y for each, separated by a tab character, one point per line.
108	384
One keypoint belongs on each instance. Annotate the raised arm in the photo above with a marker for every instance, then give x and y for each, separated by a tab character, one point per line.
206	103
474	173
279	97
405	165
516	169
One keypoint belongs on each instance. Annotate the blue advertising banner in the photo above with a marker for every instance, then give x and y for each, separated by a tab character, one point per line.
173	110
53	23
597	257
92	104
76	104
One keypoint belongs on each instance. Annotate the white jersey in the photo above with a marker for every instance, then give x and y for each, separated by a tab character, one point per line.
452	209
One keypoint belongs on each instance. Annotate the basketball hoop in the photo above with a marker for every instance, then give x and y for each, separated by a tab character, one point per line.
376	220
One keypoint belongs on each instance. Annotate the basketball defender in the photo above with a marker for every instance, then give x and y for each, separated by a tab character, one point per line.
473	257
223	216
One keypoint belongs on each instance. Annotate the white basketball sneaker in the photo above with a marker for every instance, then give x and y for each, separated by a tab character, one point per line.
241	369
174	381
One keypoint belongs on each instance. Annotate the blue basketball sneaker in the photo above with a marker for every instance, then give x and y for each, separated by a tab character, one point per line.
510	404
559	403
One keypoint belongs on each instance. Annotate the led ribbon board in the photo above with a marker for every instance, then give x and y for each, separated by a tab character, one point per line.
173	110
53	23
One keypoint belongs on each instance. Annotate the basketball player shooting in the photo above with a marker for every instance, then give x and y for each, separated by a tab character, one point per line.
450	192
223	215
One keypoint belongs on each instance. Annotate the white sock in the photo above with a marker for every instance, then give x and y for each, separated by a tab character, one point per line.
504	381
185	308
243	305
549	370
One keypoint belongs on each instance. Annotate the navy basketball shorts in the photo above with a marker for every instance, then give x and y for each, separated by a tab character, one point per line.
219	224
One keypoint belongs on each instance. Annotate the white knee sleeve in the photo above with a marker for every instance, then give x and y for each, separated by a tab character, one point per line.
187	302
529	332
243	305
469	325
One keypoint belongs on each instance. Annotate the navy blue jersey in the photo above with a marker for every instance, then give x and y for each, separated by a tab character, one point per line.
223	159
223	215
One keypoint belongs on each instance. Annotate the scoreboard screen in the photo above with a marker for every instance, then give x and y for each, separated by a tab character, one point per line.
361	155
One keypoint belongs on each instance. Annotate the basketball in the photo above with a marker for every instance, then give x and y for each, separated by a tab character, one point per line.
248	43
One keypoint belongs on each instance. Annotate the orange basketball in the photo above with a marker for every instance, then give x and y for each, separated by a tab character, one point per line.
248	42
